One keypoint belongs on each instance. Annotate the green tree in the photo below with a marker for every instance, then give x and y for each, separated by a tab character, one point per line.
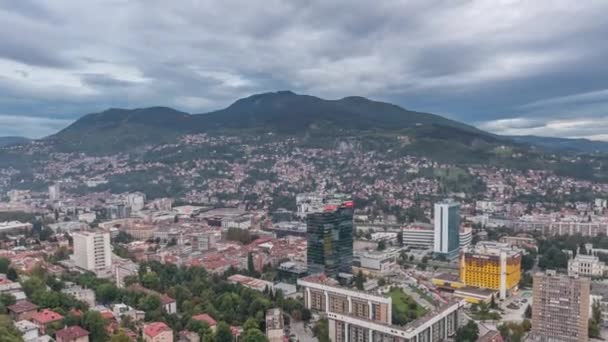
107	293
151	281
8	332
359	280
321	330
254	335
468	333
381	245
12	274
223	332
96	325
120	337
4	265
250	324
45	234
250	266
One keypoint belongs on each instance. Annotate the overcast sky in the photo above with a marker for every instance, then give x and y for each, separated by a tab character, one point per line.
512	67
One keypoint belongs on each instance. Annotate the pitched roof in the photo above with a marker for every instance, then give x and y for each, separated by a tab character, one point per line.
153	329
46	316
22	306
71	333
205	318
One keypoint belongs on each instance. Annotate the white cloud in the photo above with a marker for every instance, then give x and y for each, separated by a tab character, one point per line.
35	127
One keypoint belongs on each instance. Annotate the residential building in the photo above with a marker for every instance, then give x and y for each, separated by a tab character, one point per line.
212	323
22	310
157	332
586	265
92	250
330	240
123	270
81	293
72	334
45	317
359	316
202	242
28	330
561	308
491	265
250	282
274	325
447	228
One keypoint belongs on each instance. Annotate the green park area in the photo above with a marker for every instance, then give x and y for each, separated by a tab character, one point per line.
405	308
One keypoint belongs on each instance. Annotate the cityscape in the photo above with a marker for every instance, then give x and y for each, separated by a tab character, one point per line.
157	186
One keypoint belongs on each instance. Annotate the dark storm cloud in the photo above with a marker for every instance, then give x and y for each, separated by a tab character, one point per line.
509	67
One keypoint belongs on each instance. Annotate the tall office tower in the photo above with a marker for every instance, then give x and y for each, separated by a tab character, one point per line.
447	228
491	265
54	192
92	250
330	240
561	308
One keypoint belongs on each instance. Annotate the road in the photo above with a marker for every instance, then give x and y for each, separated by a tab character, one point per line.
303	334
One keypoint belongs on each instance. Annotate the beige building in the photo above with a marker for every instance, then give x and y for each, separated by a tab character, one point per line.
586	266
358	316
72	334
561	308
92	250
157	332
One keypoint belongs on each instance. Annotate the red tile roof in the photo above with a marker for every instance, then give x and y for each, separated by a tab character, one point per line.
46	316
71	333
165	299
153	329
205	318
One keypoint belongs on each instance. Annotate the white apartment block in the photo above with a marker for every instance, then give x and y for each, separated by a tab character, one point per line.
586	266
92	251
419	236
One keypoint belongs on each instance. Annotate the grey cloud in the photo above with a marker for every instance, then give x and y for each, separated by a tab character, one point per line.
476	61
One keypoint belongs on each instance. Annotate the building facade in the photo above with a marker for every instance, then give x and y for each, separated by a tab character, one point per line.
330	240
419	236
586	266
491	265
447	228
92	251
561	308
357	316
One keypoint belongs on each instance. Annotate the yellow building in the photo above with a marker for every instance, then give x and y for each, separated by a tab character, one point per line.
491	265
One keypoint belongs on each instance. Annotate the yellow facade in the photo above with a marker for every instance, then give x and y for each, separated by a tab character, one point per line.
483	271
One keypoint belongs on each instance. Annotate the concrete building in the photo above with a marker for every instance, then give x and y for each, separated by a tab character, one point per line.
447	228
14	227
359	316
92	251
491	265
54	192
561	308
419	235
375	263
28	330
465	238
274	325
202	242
81	293
136	201
586	265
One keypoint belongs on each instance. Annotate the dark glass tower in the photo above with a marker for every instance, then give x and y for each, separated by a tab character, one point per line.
330	240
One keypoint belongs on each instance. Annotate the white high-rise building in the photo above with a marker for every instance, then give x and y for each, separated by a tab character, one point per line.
447	228
54	192
136	201
92	251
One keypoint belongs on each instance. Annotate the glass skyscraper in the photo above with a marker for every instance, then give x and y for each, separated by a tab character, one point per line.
447	228
330	240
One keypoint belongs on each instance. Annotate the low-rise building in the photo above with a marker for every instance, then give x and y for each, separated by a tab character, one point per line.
157	332
586	266
72	334
375	263
28	330
81	294
45	317
420	235
22	310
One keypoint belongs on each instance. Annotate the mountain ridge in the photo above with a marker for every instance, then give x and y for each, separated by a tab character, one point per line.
284	112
